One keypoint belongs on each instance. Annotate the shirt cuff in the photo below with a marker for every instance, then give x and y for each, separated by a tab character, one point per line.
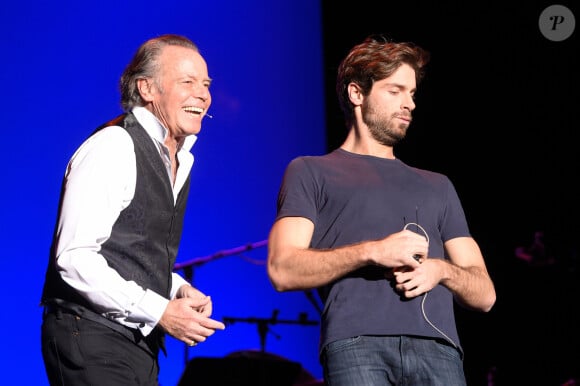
149	311
178	282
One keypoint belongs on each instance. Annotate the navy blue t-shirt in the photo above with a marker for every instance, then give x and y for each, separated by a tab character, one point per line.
352	198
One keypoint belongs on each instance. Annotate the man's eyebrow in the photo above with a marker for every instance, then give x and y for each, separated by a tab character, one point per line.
400	86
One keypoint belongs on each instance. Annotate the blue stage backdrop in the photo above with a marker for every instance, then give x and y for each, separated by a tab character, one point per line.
60	67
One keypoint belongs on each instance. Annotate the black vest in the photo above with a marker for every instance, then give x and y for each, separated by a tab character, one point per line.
145	238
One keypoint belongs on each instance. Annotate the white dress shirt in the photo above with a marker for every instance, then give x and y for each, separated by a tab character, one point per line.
100	183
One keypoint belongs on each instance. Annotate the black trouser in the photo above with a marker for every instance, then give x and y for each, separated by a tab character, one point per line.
78	351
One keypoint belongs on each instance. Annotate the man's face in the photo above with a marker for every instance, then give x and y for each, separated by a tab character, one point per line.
180	93
387	109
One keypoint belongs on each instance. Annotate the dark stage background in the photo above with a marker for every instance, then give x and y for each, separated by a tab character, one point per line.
496	113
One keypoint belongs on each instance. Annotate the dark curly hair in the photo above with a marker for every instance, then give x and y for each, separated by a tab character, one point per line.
374	59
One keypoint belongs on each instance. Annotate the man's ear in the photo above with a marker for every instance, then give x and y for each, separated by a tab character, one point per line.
355	94
144	86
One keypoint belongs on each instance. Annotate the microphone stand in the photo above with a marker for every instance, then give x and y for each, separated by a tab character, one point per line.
262	324
188	266
228	252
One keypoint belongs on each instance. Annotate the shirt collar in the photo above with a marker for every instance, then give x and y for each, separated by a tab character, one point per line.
156	130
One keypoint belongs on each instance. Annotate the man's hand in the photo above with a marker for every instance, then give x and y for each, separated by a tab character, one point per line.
187	317
187	291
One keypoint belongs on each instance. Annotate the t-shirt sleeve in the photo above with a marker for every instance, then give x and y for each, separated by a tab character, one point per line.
454	221
297	194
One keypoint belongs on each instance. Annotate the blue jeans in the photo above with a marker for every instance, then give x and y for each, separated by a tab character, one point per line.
392	360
